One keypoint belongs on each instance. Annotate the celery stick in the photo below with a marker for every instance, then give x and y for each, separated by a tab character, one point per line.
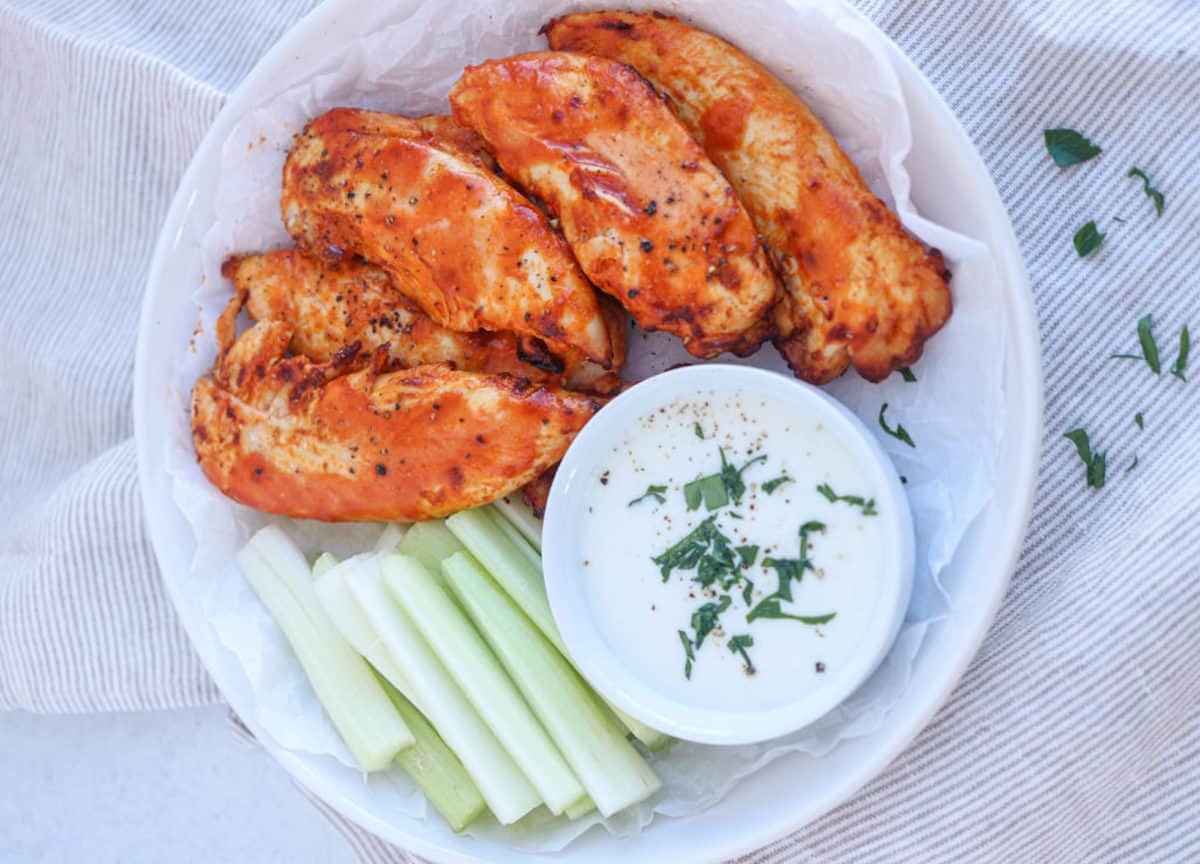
576	811
322	565
435	768
514	509
517	539
521	579
613	772
390	538
351	696
508	793
483	679
352	622
430	543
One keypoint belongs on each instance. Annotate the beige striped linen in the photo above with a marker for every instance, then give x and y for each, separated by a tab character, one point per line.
1074	736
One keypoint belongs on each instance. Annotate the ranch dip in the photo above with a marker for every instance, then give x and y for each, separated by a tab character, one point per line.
731	550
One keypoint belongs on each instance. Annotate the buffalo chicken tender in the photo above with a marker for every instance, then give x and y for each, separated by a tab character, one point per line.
334	304
649	217
456	239
859	288
319	441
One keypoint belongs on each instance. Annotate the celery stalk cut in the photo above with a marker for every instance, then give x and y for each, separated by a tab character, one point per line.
577	811
391	537
517	539
521	579
350	620
483	679
514	509
435	768
508	793
614	774
430	543
350	694
322	565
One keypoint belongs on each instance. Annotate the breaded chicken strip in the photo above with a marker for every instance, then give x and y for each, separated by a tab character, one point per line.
859	288
332	304
649	217
459	241
314	441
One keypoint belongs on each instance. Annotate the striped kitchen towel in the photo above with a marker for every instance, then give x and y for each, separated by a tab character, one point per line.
1075	735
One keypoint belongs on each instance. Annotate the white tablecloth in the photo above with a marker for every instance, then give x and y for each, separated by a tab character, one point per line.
1075	735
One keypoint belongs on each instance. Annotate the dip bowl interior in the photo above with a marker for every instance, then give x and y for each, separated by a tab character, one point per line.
574	506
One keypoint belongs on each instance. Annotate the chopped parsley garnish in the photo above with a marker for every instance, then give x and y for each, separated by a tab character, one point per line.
770	608
706	618
907	374
1067	147
652	491
771	485
748	554
1145	331
688	653
716	490
1179	370
1139	420
1087	239
696	427
1095	462
899	433
747	592
791	569
867	504
1153	194
738	645
1132	464
706	550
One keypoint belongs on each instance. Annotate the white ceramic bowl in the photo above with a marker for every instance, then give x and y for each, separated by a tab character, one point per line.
586	642
950	184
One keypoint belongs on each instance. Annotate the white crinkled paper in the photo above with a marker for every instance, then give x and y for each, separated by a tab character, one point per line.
840	67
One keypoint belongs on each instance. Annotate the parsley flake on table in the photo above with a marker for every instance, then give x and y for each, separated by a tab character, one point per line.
1145	331
1132	464
1179	370
1067	147
1095	462
1087	239
907	374
1139	420
1153	194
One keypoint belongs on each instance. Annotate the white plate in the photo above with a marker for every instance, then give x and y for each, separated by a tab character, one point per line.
951	185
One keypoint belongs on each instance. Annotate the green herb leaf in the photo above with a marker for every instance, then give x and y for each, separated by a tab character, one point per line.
907	374
1139	420
1095	463
1067	147
692	494
687	651
788	570
867	504
686	553
771	485
698	430
652	491
1087	240
747	592
1124	357
732	477
705	619
770	608
711	489
733	515
1151	193
1145	327
899	433
738	645
748	554
1132	464
1181	359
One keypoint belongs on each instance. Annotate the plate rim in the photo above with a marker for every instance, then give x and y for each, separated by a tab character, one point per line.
1028	359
